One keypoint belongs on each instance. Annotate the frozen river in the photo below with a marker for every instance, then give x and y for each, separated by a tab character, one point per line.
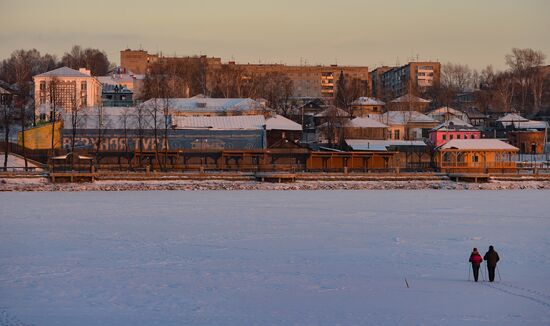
272	258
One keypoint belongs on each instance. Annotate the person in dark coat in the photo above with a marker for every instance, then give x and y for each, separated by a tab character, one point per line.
475	259
492	258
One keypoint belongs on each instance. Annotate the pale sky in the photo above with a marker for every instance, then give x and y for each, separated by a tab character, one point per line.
352	32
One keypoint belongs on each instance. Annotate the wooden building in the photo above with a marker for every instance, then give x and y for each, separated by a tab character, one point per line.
476	156
364	106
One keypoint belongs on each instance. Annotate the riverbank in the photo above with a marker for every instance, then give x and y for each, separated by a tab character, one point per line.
42	184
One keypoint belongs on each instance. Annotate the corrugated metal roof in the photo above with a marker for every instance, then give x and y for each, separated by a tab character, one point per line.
531	124
246	122
381	145
481	144
278	122
205	104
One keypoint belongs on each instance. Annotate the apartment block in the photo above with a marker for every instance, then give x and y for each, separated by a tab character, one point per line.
412	78
309	81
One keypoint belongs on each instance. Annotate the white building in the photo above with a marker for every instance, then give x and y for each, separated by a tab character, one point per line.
65	89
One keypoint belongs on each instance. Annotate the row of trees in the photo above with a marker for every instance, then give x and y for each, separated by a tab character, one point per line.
176	78
22	65
523	86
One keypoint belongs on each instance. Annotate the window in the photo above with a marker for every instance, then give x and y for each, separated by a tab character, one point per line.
396	134
444	137
473	136
83	86
457	136
42	86
451	137
475	158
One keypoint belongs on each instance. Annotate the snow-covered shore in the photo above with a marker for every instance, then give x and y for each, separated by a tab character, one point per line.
42	184
272	258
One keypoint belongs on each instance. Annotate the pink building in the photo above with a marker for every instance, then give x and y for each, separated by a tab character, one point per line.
453	129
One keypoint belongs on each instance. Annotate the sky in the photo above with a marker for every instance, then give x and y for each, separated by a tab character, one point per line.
347	32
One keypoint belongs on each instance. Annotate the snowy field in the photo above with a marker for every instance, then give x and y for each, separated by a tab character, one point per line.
272	258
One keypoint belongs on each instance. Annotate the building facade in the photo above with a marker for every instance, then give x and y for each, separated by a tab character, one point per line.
413	78
308	81
65	89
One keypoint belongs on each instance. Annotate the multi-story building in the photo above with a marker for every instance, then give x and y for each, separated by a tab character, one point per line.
65	89
311	81
413	78
376	80
308	81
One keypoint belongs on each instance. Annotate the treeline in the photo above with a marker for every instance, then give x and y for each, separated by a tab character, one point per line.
22	65
177	78
523	87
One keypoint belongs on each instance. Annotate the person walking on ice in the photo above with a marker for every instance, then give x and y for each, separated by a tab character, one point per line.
492	258
475	259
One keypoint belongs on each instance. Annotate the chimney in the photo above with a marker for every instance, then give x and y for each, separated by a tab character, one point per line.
85	71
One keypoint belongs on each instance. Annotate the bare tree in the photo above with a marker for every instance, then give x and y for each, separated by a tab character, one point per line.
140	126
125	116
93	59
524	65
55	101
228	81
457	77
348	89
6	104
504	87
101	125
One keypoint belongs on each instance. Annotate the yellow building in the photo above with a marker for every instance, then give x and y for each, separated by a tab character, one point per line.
476	156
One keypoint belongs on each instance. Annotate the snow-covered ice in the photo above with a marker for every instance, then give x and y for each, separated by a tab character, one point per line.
272	258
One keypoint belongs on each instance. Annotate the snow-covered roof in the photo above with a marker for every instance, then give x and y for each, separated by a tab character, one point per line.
364	122
367	101
404	117
381	145
63	72
481	144
454	124
117	79
530	124
4	91
205	104
445	110
239	122
409	98
278	122
332	112
511	117
520	122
